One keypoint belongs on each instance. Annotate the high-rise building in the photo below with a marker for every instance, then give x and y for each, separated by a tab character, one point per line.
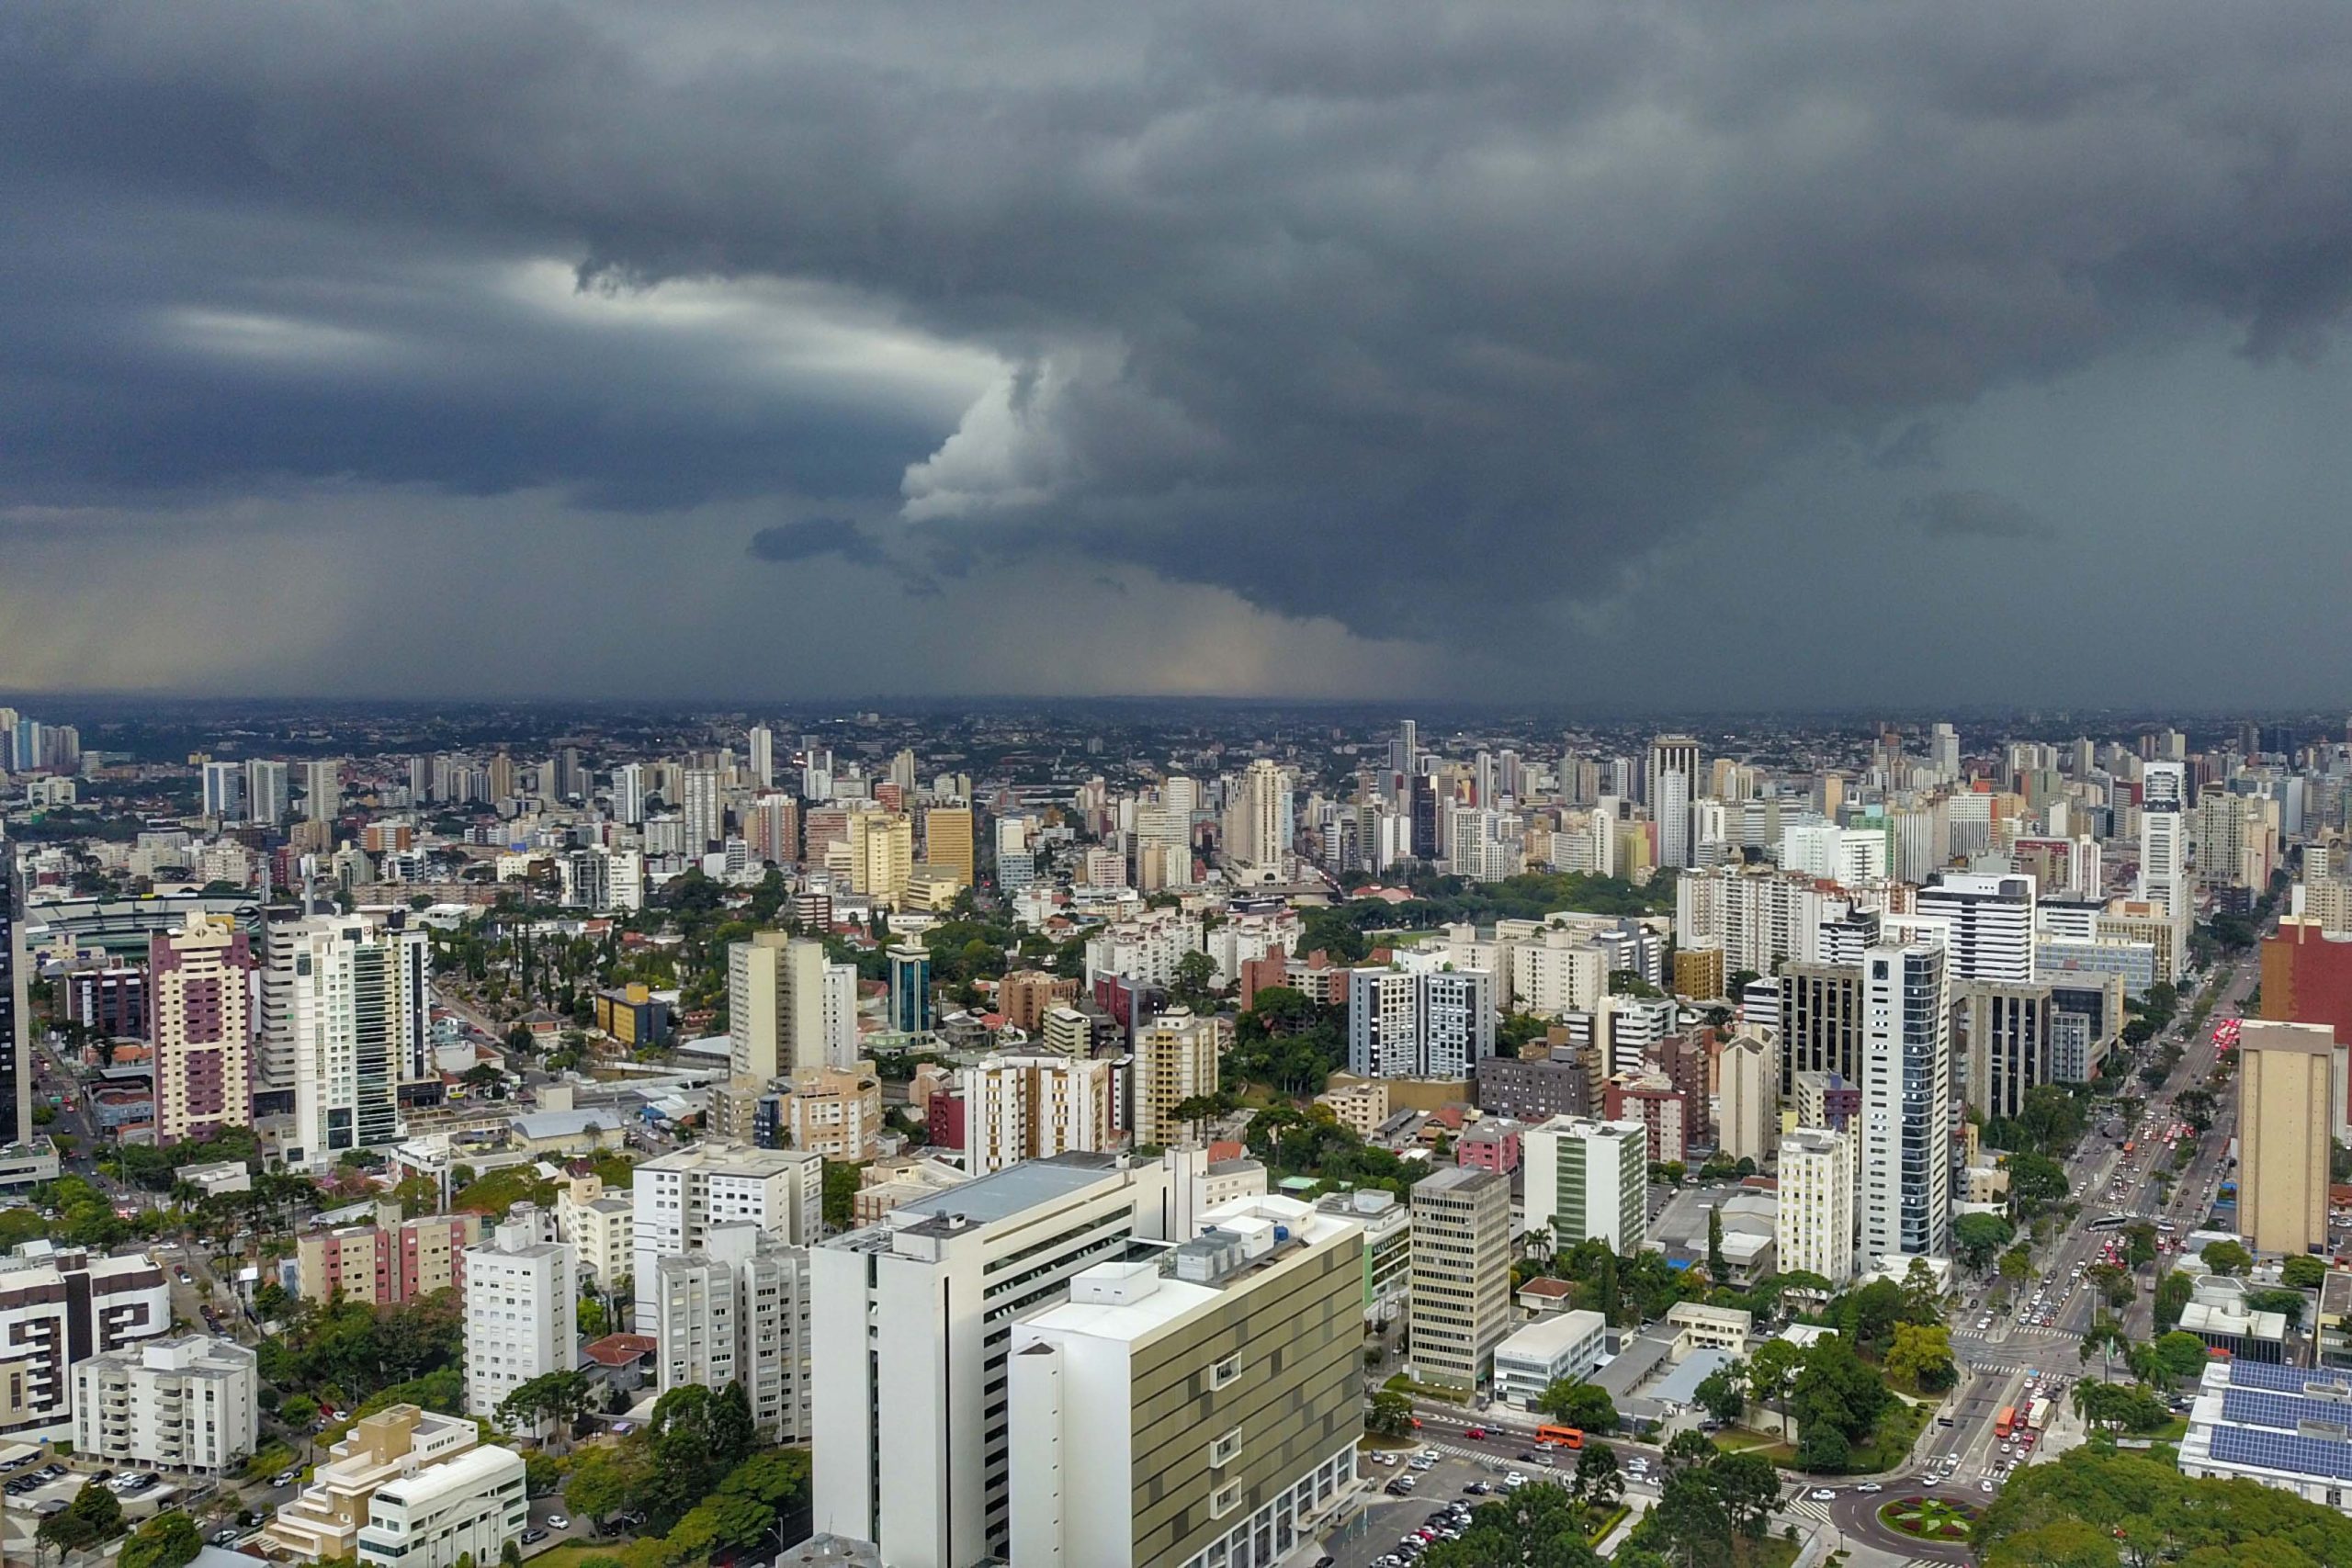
265	792
2004	1043
1989	925
1820	1021
947	843
704	808
345	1015
680	1196
1461	1275
1906	1103
775	1006
1813	1226
760	745
60	1306
2164	841
629	793
322	788
1031	1106
1587	1179
1254	1326
1747	1076
737	1312
1258	827
1435	1023
1672	758
2286	1092
16	1014
910	989
522	1314
1175	1060
881	855
909	1345
199	1021
225	791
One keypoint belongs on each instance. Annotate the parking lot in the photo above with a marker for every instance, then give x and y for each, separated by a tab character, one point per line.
35	1489
1377	1534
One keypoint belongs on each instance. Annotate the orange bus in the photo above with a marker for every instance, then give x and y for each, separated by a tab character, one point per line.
2006	1422
1565	1437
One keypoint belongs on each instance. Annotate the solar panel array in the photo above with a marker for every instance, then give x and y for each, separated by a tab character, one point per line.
2282	1451
2261	1407
2285	1379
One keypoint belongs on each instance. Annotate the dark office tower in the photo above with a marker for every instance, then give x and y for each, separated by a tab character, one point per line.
1424	789
1820	1022
16	1020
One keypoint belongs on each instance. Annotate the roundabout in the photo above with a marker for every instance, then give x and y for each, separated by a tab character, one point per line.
1909	1520
1932	1520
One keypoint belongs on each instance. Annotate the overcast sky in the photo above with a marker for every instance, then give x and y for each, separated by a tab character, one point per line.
1695	351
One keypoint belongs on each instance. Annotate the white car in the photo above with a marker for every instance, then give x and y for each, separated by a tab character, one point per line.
1985	1486
1869	1487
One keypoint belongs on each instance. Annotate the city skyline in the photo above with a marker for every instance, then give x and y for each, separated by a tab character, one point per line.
1794	355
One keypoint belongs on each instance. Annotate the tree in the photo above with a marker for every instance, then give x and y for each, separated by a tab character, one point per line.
1771	1373
2304	1272
2182	1354
99	1509
842	1180
1391	1415
1539	1526
1978	1238
2113	1283
2017	1264
1195	972
2227	1258
2037	1182
1717	1270
2105	1339
1685	1449
551	1399
1600	1479
1583	1405
2173	1293
1723	1392
1921	1356
168	1541
601	1480
1690	1525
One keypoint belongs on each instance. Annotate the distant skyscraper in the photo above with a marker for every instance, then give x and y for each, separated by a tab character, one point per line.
910	989
1672	758
704	809
1943	753
1257	827
762	745
2284	1121
265	792
947	842
1906	1103
225	791
629	793
322	788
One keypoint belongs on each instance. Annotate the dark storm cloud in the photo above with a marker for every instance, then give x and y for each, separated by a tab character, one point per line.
813	536
1975	514
1395	313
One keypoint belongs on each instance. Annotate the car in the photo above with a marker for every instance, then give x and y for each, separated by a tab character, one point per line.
1869	1487
227	1537
1985	1486
1824	1494
286	1478
1397	1488
1478	1488
558	1522
533	1536
1527	1456
1476	1434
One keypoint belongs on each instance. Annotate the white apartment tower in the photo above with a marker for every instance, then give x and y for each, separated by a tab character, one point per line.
1257	827
266	791
1814	1227
1030	1107
1989	922
679	1197
760	746
1588	1178
704	809
522	1314
910	1331
185	1404
1906	1103
344	1026
737	1312
1672	758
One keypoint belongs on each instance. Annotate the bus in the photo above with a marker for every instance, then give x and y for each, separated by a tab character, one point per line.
2005	1423
2130	1146
1564	1436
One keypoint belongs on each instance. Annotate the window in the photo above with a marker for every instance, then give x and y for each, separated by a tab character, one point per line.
1225	1499
1224	1372
1227	1449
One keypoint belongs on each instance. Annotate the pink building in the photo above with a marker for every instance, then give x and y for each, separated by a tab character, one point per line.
1491	1145
1657	1105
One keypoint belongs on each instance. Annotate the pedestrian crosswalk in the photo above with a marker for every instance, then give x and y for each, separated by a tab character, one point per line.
1804	1507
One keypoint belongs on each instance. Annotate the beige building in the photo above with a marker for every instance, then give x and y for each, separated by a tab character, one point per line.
1192	1410
199	1004
881	855
1176	1060
1814	1223
1461	1275
1025	1107
324	1520
2284	1073
835	1113
2133	920
391	1260
775	1006
1747	1080
1360	1106
947	843
599	1225
1025	995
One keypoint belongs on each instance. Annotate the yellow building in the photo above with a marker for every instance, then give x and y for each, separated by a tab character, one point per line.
947	842
932	888
1698	972
881	855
